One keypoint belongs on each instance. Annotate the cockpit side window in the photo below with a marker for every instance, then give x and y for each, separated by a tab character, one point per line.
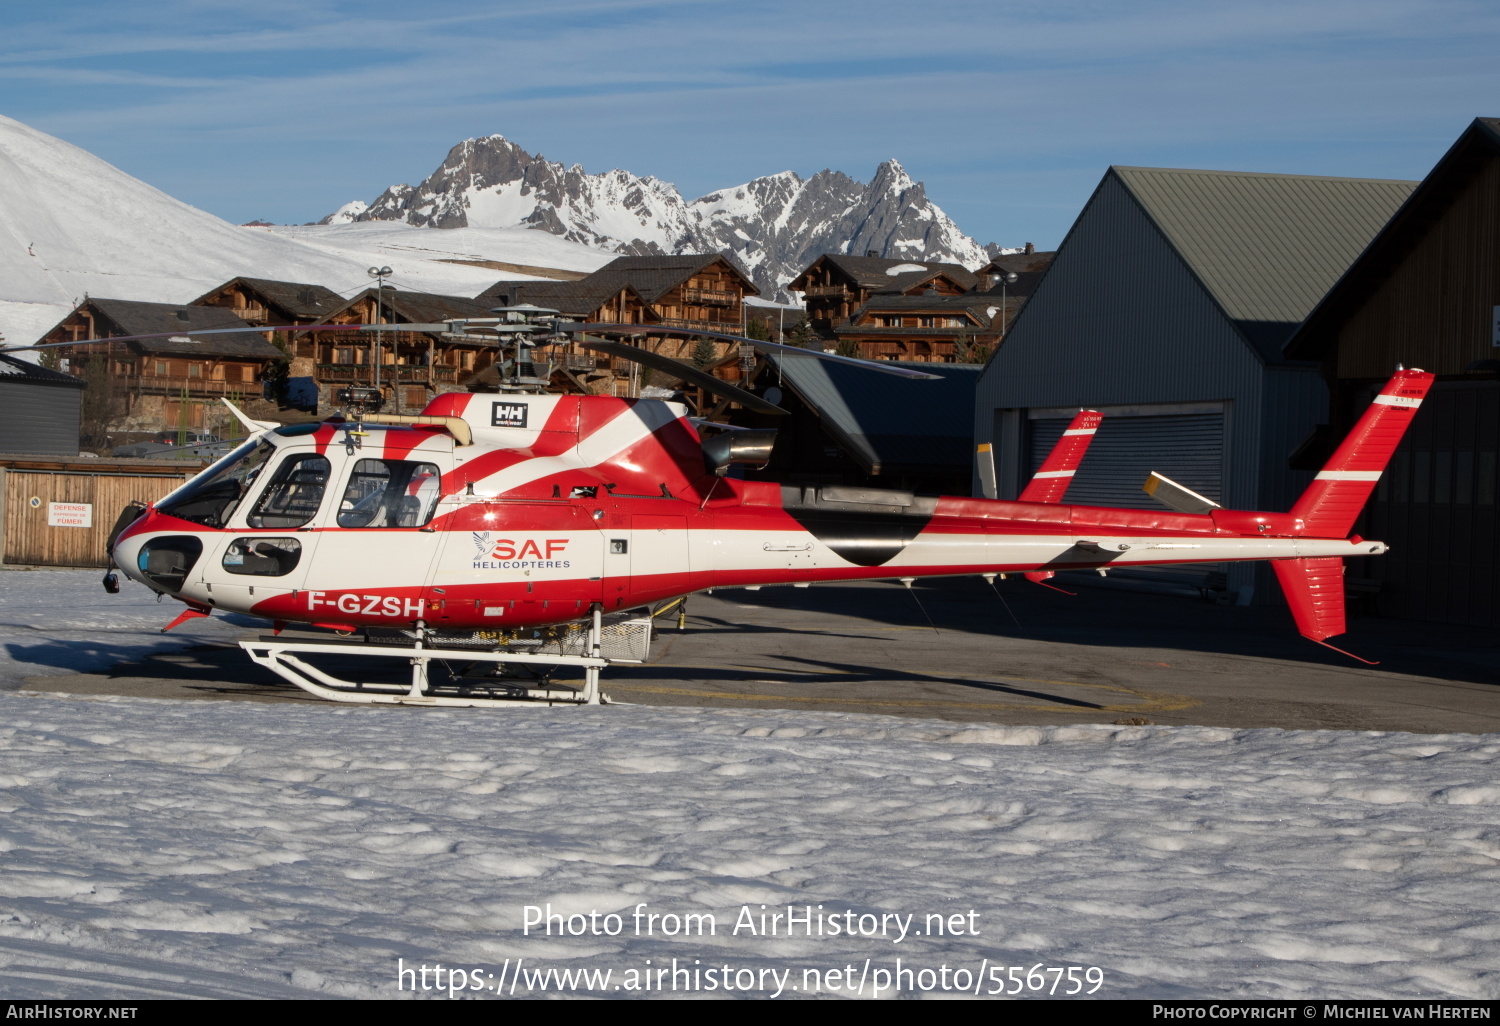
390	493
294	494
212	497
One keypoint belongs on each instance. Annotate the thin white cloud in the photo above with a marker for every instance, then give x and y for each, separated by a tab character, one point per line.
708	94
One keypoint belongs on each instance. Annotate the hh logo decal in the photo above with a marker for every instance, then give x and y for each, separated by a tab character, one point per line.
511	415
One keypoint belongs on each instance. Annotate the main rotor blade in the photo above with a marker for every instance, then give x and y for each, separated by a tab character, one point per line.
765	347
686	372
247	329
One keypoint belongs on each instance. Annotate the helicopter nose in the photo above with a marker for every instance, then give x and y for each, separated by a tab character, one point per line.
126	555
161	562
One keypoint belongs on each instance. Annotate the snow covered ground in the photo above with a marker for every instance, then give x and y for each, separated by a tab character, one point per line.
448	261
224	849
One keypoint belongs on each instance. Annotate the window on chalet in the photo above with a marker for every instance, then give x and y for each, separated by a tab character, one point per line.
889	322
195	370
160	369
953	322
924	322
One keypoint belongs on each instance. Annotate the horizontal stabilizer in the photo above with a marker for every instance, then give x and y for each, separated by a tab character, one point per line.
1175	496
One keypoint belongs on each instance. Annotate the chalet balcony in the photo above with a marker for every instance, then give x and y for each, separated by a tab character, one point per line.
709	297
828	292
573	361
390	374
195	388
726	327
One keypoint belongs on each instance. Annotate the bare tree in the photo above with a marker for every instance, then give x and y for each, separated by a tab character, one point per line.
101	403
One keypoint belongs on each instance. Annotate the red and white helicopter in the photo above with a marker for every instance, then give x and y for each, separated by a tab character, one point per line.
453	531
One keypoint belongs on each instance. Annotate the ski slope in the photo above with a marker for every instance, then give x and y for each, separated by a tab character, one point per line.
228	849
72	225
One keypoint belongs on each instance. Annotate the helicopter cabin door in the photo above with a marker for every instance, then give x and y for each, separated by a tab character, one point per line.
267	560
658	556
515	563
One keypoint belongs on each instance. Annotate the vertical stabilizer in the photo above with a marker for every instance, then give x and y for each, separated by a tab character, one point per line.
1332	502
1314	590
1051	482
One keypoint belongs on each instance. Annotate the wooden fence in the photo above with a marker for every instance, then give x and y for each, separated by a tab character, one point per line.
26	505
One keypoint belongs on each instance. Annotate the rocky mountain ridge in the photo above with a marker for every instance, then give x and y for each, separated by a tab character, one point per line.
774	226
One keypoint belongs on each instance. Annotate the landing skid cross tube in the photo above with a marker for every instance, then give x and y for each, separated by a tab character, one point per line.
282	658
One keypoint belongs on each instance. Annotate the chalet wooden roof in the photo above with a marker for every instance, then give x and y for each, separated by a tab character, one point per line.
131	317
13	369
1017	262
937	304
298	301
579	298
655	276
902	283
1427	204
419	307
874	272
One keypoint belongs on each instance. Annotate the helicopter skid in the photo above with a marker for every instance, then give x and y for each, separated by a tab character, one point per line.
282	658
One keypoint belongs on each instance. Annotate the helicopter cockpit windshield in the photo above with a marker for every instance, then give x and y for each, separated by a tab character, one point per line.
211	498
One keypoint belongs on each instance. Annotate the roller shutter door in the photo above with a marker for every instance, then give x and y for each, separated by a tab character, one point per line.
1188	448
1438	507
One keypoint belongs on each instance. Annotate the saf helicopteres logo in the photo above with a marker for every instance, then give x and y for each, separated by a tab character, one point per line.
511	415
519	554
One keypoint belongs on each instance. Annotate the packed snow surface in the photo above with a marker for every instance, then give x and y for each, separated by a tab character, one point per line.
157	848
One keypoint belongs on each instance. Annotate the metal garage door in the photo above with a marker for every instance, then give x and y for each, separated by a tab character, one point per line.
1188	447
1439	509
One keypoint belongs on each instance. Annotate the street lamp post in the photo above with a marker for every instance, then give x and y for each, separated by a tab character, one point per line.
379	274
1006	279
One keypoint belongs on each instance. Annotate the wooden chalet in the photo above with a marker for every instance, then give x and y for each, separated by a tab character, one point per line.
703	291
835	286
260	301
698	291
928	327
410	367
589	301
170	382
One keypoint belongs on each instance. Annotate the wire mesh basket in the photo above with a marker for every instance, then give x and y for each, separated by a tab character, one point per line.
621	637
624	638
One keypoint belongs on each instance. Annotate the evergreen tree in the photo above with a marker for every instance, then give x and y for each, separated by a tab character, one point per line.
704	352
804	337
848	347
757	328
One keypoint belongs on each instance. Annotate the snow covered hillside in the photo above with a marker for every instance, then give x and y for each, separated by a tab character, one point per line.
774	225
205	848
72	224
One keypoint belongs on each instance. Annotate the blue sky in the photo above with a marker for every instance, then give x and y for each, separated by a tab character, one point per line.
1010	112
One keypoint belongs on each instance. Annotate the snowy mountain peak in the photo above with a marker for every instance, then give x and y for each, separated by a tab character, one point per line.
774	225
347	213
